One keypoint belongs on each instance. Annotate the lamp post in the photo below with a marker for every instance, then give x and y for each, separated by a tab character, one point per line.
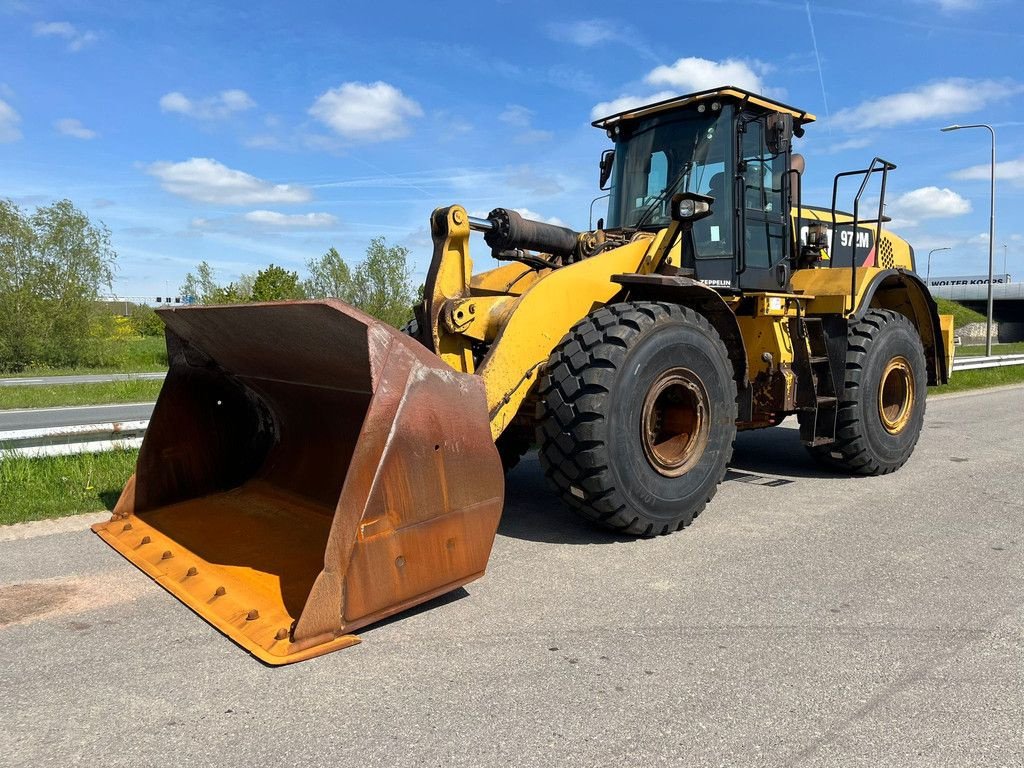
928	277
991	225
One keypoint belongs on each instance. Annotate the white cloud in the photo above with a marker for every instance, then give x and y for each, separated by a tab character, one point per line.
695	74
207	181
621	104
927	203
585	33
536	184
366	112
1008	170
526	213
77	39
224	104
956	5
520	117
954	96
688	75
843	146
517	115
291	221
9	120
69	126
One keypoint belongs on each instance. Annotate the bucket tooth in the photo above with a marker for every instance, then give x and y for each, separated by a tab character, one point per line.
289	475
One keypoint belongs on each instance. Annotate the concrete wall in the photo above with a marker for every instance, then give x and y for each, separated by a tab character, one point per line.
974	333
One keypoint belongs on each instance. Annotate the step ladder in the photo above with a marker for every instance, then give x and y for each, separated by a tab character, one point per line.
818	427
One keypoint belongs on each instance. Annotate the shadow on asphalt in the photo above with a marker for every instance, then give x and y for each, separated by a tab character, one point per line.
534	513
437	602
776	451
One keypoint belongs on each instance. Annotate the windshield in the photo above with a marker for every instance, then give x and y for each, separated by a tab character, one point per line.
659	157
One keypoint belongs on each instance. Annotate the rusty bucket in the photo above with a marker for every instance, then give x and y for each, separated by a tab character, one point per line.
307	471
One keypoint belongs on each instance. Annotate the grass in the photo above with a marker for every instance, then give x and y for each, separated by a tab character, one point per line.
136	355
36	489
961	381
1012	348
79	394
961	314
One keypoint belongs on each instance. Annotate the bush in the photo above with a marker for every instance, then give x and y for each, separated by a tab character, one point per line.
144	321
53	265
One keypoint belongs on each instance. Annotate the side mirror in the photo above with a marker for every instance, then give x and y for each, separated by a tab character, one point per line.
780	133
607	160
688	207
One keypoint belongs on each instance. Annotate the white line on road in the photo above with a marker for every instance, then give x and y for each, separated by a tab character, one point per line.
68	408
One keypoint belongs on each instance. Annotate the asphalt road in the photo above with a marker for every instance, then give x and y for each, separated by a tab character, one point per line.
34	418
95	378
824	621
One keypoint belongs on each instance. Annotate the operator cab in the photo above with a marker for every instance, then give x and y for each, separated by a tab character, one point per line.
725	143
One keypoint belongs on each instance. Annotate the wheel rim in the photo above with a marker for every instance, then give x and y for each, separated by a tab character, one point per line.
675	422
896	395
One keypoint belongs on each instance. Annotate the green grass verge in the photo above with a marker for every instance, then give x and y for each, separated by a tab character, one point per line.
961	381
122	356
36	489
961	314
141	391
1012	348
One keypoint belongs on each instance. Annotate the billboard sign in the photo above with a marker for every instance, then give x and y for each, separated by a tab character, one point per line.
937	281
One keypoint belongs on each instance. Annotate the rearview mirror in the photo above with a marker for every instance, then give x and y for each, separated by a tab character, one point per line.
780	133
607	159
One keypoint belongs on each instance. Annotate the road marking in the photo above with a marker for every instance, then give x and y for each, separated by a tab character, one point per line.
68	408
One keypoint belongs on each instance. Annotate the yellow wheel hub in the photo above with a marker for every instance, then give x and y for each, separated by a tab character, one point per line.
896	395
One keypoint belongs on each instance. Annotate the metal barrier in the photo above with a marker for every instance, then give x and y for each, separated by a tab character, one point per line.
89	438
64	441
996	361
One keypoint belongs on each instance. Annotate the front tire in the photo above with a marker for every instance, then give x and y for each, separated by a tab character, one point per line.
883	402
637	416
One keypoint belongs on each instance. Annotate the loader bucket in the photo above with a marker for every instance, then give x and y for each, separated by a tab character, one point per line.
307	471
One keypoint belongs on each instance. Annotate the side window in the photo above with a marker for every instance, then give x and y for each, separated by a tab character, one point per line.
763	201
657	176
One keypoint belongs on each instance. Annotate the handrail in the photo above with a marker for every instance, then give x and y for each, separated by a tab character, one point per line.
877	165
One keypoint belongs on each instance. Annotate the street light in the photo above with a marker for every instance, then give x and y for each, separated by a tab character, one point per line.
991	225
928	277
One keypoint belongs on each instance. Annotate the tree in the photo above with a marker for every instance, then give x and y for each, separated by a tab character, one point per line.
53	266
380	283
329	277
276	284
203	288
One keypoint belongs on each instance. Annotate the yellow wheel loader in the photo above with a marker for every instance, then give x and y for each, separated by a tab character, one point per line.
308	470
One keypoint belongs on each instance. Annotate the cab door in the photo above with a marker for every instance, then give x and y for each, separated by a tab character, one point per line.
764	263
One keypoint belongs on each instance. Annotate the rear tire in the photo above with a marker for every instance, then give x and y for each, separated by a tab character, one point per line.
881	409
637	416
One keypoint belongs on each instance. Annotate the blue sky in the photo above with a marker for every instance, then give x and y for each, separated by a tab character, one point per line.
266	132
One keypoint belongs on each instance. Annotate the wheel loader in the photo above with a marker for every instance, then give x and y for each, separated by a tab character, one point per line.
308	470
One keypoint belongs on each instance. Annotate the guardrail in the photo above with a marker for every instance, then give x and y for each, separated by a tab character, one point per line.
64	441
996	361
92	378
86	438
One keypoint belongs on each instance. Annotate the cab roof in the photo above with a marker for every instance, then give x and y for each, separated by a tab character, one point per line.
728	93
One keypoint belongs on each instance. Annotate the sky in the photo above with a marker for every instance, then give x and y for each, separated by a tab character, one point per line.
255	133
